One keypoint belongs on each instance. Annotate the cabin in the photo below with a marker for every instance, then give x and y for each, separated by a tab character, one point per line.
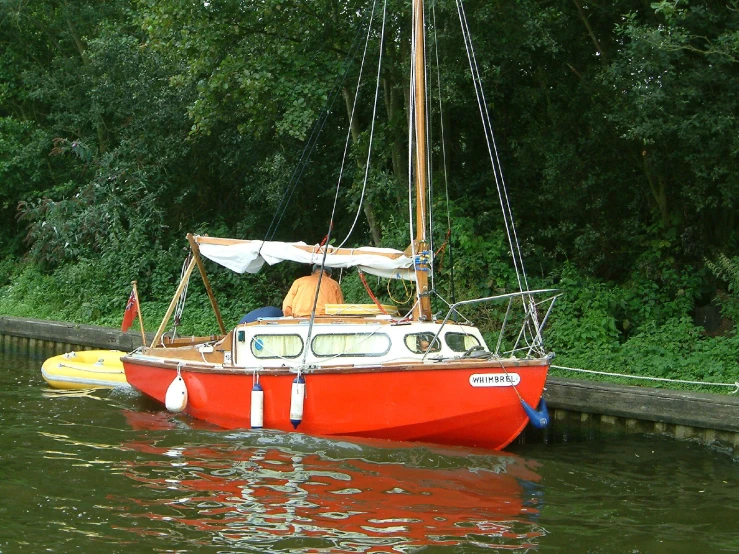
281	342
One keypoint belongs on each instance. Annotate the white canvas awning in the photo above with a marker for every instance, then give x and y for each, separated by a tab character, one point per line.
250	255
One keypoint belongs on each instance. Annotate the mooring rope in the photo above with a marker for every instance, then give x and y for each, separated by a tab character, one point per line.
647	378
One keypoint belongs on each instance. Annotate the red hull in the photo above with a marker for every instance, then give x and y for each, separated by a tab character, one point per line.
416	403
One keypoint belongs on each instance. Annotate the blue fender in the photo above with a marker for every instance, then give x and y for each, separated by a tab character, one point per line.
539	418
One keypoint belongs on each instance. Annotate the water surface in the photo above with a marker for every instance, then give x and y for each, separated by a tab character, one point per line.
107	471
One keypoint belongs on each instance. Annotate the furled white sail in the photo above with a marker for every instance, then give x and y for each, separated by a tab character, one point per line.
250	255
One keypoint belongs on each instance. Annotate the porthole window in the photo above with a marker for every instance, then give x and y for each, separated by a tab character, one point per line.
351	344
276	346
418	343
459	342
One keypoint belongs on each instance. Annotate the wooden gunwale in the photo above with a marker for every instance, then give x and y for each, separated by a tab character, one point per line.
429	365
187	341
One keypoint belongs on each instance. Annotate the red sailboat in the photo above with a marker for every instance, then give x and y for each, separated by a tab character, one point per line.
358	370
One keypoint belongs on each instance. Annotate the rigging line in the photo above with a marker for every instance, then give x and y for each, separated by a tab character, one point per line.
530	306
338	186
351	116
497	157
443	147
372	127
302	165
411	111
443	153
476	79
313	138
505	204
408	295
180	305
429	168
317	129
370	293
477	85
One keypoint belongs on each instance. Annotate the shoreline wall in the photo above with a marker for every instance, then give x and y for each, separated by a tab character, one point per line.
91	336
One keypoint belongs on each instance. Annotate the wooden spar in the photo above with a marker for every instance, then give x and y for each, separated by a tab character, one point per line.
422	310
206	282
141	317
177	294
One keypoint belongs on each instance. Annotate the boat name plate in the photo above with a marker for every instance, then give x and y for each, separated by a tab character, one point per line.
495	379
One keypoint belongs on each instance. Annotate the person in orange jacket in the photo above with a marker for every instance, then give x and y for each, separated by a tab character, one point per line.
302	294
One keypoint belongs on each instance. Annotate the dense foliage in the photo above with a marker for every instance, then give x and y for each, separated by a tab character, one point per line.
126	124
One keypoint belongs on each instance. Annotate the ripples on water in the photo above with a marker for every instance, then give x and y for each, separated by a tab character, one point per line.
105	472
259	492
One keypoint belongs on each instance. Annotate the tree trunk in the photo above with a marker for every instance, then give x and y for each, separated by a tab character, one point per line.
659	189
589	29
99	125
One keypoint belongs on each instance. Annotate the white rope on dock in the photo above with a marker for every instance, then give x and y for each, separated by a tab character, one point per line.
702	383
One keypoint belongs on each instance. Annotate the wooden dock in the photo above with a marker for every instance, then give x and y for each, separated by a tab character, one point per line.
711	419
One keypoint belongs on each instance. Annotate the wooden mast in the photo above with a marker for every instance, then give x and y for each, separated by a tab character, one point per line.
422	310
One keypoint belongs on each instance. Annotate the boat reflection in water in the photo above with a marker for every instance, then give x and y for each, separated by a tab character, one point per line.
271	491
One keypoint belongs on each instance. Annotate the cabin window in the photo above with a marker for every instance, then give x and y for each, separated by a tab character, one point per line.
418	343
351	344
276	346
459	342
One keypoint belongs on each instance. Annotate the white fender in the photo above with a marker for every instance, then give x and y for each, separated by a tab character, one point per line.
257	406
176	398
297	397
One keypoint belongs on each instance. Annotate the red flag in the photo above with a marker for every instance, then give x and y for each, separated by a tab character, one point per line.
132	308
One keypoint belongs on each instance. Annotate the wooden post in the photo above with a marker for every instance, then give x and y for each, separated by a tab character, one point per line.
141	317
173	304
196	254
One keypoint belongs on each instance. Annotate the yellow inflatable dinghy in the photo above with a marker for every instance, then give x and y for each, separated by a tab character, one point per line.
86	369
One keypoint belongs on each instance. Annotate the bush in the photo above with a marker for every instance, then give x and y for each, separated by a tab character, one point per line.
727	269
676	350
